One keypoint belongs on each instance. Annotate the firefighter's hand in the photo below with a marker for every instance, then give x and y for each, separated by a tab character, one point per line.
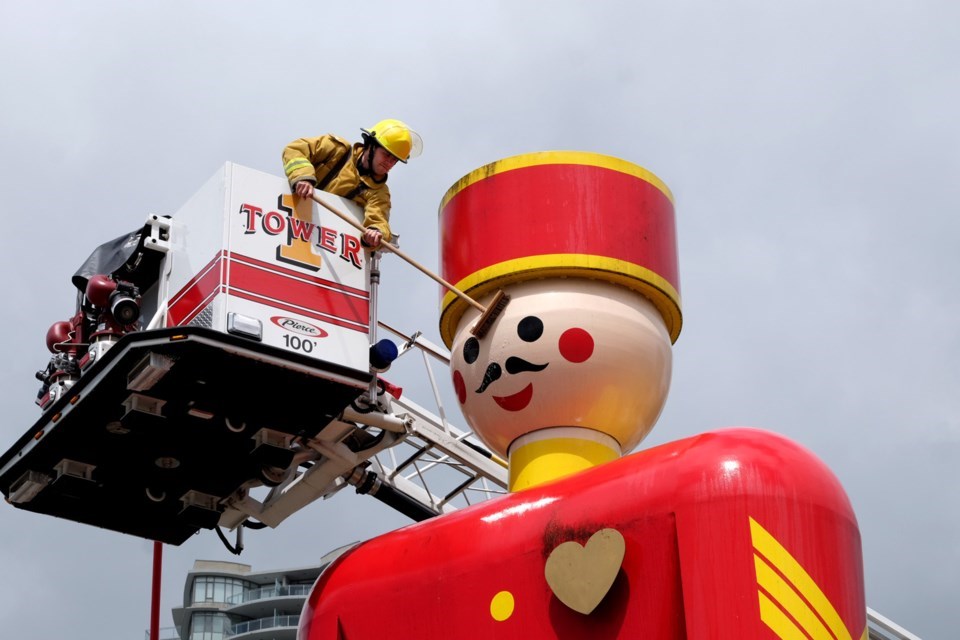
303	189
372	237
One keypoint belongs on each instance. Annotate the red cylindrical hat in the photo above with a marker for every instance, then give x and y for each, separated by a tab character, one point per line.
559	214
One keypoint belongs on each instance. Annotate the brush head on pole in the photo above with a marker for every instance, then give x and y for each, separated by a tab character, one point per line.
493	310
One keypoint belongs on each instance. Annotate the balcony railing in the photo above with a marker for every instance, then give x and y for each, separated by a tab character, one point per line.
263	623
165	633
297	590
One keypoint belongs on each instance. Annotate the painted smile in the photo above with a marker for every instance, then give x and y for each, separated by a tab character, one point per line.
517	401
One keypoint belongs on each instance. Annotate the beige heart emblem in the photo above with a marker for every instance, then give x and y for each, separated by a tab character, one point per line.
581	576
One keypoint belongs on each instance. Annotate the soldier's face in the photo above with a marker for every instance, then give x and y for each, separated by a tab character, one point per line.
564	353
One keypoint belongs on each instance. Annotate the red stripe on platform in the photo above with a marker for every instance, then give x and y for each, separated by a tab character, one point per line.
196	294
236	257
308	296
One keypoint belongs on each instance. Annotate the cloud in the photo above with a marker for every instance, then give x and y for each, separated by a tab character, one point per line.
811	149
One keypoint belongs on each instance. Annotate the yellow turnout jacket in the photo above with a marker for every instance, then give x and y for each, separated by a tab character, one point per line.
331	164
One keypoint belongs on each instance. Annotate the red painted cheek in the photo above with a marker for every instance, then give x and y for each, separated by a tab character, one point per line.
576	345
459	387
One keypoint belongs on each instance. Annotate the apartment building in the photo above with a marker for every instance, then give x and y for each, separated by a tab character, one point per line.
229	600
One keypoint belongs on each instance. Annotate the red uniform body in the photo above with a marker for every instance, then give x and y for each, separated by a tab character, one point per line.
735	534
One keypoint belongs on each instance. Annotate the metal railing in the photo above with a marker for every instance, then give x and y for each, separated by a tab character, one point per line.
881	628
240	628
252	595
439	464
165	633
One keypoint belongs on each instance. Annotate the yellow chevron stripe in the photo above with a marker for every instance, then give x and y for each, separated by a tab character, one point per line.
778	621
784	595
786	564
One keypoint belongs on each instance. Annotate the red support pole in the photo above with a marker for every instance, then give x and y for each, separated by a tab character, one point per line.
155	597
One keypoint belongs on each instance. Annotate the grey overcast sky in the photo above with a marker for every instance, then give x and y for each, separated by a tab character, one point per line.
813	150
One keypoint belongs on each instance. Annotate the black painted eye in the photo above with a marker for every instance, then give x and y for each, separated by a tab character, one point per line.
530	329
471	350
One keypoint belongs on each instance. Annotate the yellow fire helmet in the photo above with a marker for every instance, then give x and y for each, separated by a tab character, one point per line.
397	138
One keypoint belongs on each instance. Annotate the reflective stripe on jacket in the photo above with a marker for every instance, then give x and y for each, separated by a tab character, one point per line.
313	159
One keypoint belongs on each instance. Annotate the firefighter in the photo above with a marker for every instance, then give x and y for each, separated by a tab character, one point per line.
357	172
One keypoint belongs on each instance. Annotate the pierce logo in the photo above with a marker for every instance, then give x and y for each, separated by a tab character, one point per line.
299	326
